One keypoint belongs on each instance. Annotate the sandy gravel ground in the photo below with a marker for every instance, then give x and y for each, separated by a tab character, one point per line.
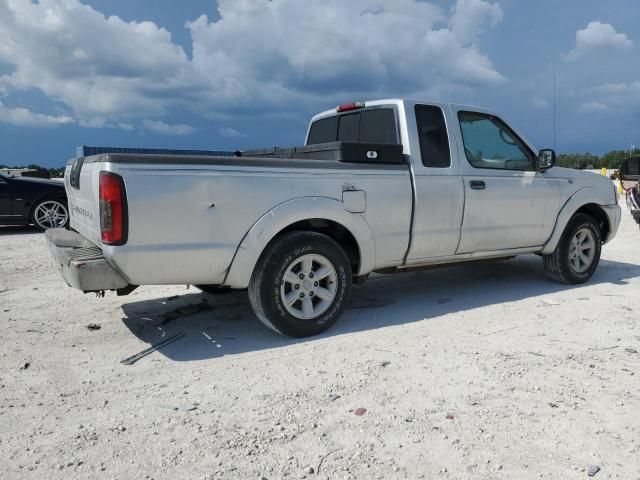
488	372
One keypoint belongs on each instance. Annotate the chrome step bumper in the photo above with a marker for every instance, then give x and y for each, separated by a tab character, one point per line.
82	263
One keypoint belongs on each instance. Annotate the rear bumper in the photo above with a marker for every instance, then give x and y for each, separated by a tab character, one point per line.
613	214
82	263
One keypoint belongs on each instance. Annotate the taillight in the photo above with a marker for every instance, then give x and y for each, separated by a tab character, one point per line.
113	209
349	106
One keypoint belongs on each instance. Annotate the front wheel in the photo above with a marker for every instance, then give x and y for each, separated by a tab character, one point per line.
301	284
577	255
50	213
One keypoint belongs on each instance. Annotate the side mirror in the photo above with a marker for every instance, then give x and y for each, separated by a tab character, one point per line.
546	159
630	170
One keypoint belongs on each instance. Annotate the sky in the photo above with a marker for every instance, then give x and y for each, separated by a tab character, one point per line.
236	74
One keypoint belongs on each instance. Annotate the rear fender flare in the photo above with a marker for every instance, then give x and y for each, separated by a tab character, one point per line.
290	212
579	199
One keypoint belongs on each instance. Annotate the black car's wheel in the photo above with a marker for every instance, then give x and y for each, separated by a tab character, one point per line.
50	213
301	284
577	255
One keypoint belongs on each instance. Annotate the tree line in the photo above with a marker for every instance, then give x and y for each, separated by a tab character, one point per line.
610	160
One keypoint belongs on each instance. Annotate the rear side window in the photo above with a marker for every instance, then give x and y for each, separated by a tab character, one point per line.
323	131
368	126
434	141
378	126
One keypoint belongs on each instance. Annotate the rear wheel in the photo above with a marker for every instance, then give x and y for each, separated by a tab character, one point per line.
301	284
50	213
577	255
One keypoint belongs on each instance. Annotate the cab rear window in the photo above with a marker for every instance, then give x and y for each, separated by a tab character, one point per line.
367	126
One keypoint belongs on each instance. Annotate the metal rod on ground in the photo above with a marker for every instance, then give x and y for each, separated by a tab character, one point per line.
134	358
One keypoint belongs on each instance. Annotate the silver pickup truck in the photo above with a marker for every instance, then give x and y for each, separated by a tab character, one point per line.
383	186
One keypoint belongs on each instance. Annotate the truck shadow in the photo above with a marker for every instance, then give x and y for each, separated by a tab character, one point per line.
215	326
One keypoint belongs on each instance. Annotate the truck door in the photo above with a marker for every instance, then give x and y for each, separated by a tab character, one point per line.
6	199
508	204
439	192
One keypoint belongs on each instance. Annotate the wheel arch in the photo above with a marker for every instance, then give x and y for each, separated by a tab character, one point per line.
317	214
588	201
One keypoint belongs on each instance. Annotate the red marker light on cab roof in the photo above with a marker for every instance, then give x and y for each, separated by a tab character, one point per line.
349	106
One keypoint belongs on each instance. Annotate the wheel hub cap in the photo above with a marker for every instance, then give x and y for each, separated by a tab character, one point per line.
309	286
582	250
51	214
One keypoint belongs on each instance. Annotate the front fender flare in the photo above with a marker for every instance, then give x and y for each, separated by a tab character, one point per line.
579	199
290	212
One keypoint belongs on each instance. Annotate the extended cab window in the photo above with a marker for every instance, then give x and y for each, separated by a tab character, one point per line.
376	125
490	143
432	132
323	131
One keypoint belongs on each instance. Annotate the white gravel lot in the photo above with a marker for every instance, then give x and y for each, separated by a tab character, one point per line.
489	371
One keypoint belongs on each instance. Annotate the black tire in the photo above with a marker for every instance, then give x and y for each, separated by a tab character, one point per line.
45	201
214	289
558	264
267	282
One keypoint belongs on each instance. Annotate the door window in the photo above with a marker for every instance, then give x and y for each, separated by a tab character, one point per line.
432	132
490	143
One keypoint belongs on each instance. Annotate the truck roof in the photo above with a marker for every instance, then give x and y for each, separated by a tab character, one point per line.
400	101
403	103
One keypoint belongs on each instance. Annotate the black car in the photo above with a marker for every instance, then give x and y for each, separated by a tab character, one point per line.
37	201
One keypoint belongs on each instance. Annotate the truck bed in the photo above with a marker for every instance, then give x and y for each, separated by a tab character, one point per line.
188	214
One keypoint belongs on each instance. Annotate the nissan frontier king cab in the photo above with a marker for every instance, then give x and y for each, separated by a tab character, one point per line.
382	186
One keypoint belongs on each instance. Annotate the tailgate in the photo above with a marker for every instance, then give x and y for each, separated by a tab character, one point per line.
81	179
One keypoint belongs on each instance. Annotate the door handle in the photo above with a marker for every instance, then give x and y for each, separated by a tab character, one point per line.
477	185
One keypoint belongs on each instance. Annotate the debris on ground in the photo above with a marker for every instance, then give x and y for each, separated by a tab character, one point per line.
25	366
592	470
550	302
630	350
134	358
180	408
385	363
94	326
360	411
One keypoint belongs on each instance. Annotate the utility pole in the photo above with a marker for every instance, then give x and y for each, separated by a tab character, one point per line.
554	112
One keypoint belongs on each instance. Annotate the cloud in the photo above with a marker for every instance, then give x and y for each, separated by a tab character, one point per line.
593	107
598	35
25	118
619	97
338	49
99	66
249	60
540	103
471	17
157	126
229	132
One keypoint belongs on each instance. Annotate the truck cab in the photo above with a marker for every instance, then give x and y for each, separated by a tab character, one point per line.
478	184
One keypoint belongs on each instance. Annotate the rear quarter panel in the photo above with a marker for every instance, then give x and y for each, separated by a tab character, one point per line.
186	222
